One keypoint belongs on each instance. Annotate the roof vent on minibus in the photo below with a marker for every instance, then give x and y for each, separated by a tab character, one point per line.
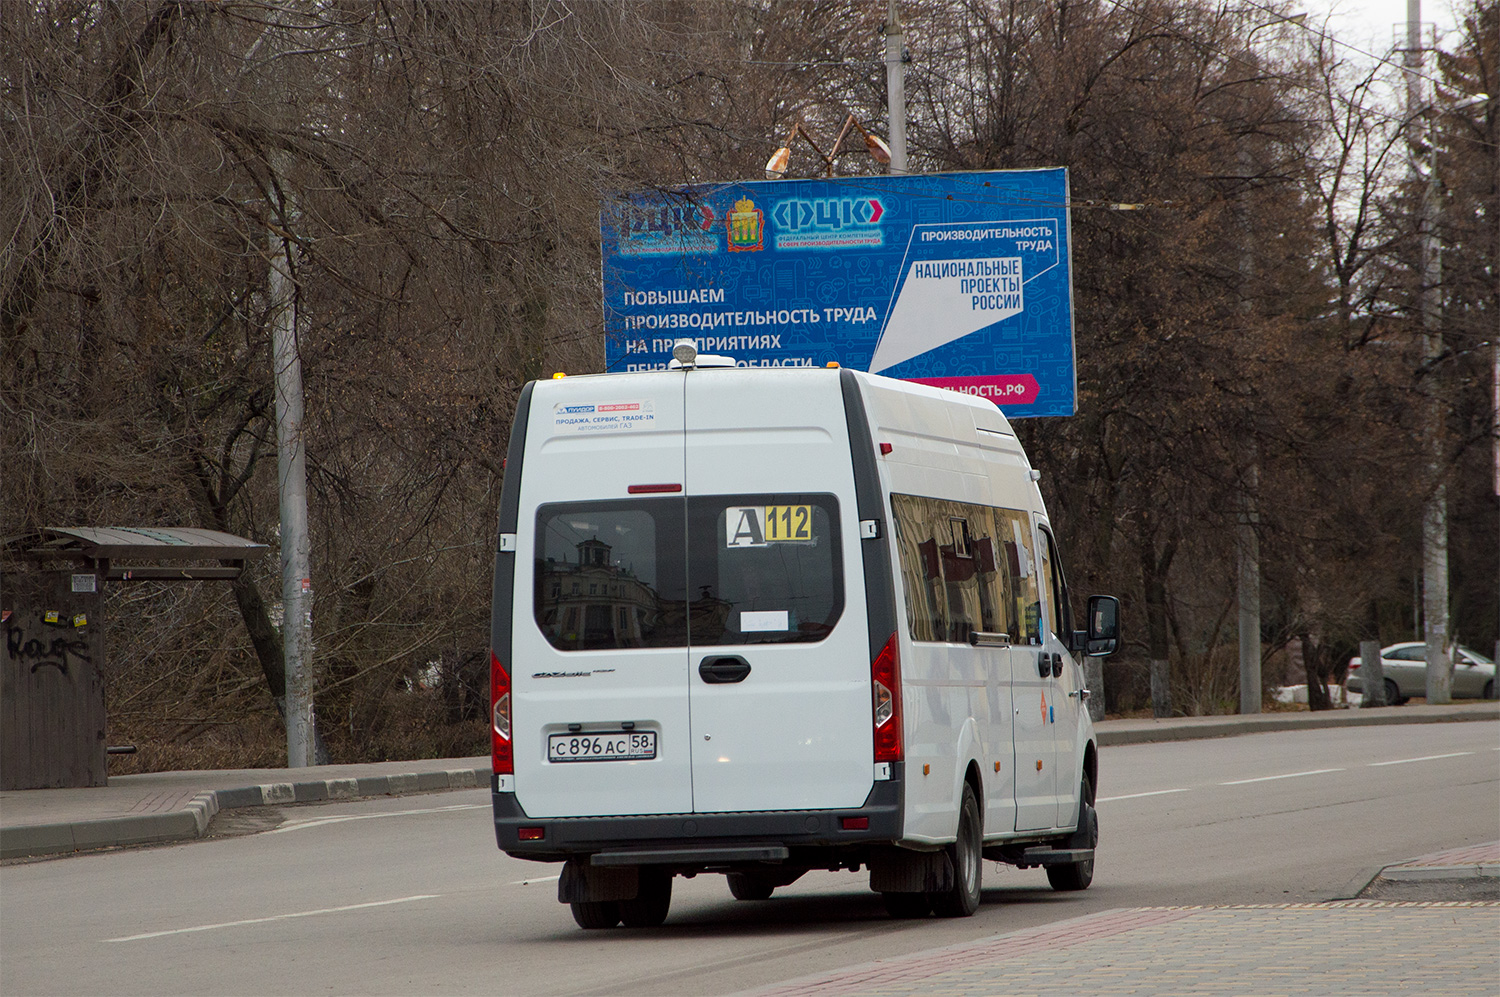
685	356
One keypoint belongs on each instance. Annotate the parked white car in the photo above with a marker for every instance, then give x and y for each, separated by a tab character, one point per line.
1405	667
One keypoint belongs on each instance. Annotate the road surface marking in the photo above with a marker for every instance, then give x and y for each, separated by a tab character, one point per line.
1269	778
302	825
274	917
542	879
1424	758
1135	796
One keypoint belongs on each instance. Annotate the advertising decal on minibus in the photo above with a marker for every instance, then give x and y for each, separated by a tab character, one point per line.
602	417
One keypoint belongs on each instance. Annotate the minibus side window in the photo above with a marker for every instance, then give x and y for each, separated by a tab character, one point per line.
965	567
1049	578
1059	616
921	566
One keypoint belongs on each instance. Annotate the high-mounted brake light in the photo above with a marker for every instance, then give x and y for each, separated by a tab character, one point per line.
502	755
885	687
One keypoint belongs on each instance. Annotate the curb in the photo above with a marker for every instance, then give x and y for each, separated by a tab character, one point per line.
28	840
1198	728
1416	873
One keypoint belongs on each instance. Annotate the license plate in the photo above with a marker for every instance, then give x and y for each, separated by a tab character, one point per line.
619	746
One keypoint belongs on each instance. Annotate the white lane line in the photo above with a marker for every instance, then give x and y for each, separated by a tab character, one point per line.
1136	796
274	917
302	825
1424	758
543	879
1271	778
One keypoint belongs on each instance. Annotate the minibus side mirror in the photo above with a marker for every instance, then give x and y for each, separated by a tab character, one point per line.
1103	635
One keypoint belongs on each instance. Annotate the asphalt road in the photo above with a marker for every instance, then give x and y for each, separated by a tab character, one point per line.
402	896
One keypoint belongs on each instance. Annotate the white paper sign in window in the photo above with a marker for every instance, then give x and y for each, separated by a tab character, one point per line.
762	621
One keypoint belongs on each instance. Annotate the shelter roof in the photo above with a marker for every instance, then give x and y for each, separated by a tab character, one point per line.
153	543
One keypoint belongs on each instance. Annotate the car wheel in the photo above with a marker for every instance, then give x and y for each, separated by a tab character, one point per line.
747	887
649	908
962	899
1489	689
907	905
1078	875
1393	693
596	913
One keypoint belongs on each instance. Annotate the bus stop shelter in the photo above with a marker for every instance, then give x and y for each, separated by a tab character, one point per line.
52	602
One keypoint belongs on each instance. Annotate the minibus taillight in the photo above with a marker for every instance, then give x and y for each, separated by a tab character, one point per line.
501	755
885	684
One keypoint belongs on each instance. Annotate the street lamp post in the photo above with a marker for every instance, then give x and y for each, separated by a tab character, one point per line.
1435	621
895	86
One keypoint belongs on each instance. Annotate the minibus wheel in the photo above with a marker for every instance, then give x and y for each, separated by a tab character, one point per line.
650	906
962	899
1078	875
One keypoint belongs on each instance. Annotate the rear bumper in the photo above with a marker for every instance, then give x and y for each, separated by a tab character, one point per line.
673	835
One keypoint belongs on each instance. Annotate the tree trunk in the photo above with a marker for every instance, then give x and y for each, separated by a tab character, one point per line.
1153	577
1315	666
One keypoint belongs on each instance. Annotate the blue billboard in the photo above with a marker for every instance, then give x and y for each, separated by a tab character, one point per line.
962	280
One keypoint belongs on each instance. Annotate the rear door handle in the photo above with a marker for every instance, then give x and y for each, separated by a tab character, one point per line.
725	669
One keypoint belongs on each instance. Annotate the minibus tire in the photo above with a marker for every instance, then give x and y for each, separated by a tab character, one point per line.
596	913
649	908
1078	875
743	886
962	899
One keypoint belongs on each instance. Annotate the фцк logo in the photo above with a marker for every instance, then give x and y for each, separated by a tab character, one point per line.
827	213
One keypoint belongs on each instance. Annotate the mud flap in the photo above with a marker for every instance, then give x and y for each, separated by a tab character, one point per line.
896	870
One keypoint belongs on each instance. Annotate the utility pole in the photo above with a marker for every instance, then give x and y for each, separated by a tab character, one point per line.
895	86
1435	514
1247	528
291	467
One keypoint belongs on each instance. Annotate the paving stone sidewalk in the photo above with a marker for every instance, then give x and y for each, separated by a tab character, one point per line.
1349	947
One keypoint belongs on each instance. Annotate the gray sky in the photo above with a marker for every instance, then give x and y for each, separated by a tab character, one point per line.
1371	25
